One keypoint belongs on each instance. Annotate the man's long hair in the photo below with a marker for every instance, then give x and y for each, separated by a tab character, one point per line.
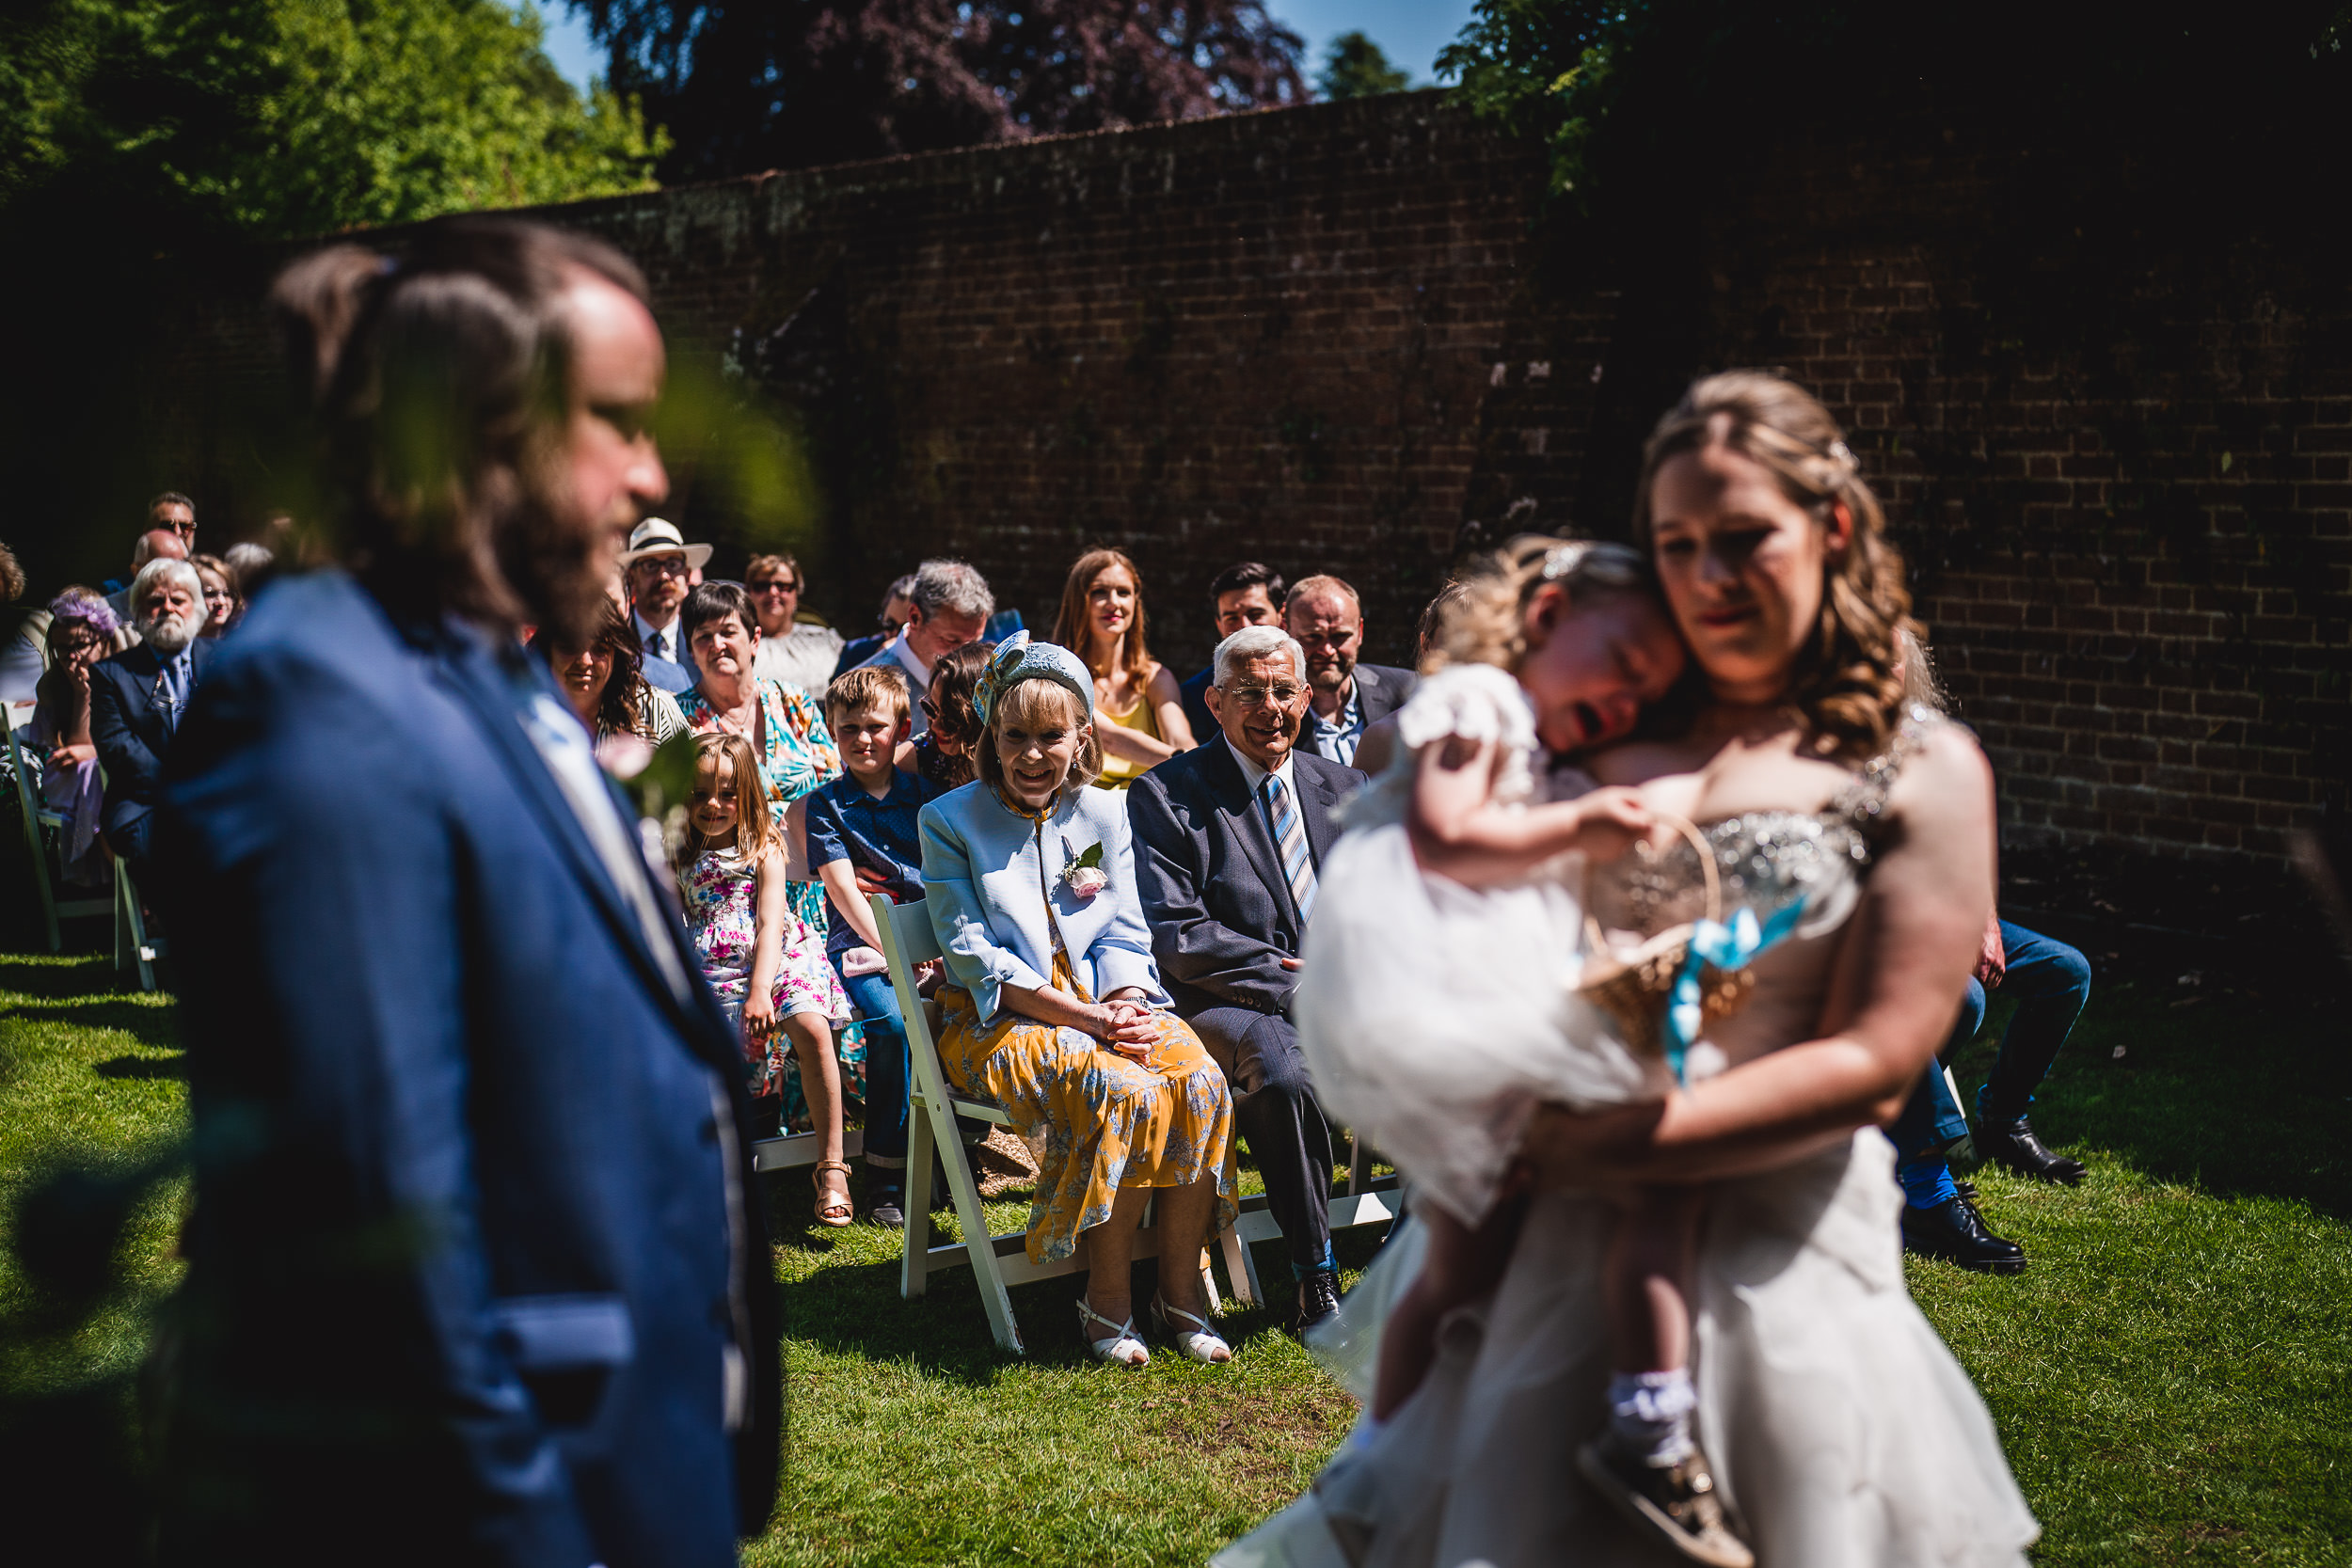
439	378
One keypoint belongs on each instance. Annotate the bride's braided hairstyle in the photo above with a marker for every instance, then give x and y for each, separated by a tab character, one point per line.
1848	682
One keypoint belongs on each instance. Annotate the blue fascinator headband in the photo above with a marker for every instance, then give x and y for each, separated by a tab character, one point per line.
1019	659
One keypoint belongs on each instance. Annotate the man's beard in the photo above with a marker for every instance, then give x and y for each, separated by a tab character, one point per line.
172	635
556	566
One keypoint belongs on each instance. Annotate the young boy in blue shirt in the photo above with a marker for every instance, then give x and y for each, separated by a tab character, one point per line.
863	837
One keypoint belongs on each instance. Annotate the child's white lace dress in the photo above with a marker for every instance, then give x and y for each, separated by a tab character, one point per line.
1435	1017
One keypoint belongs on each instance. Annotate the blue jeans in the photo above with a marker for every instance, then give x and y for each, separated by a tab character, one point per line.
2051	982
886	1065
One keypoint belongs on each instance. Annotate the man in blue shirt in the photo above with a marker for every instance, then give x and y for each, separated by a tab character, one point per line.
864	836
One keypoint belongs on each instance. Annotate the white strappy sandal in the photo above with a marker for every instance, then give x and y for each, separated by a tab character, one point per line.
1199	1344
1124	1346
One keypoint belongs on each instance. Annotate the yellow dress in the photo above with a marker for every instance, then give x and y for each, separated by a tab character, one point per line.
1119	772
1106	1121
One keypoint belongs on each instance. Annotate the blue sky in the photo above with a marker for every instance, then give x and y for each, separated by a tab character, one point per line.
1411	31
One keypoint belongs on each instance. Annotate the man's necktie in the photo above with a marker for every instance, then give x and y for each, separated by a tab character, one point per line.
1290	842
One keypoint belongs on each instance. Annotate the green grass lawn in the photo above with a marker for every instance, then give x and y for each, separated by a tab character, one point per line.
2172	1375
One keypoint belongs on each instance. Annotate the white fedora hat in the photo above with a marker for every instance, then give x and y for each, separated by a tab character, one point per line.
659	537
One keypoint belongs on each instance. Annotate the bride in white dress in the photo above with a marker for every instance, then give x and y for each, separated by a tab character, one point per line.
1842	1432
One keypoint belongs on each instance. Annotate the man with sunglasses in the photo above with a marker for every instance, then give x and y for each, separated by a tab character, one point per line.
796	651
1228	837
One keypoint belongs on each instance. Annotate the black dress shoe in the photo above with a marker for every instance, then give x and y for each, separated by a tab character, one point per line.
1954	1231
1318	1299
1966	1190
2013	1144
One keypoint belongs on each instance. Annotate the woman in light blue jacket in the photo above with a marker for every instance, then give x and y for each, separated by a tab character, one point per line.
1054	1009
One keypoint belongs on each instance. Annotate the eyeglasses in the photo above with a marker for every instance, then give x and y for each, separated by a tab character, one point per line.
1327	639
184	530
1257	696
665	566
773	585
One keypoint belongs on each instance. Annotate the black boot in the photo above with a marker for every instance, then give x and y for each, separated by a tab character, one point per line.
2013	1144
885	1195
1953	1231
1318	1298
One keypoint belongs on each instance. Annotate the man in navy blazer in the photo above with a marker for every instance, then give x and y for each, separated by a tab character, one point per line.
1228	837
138	697
476	1269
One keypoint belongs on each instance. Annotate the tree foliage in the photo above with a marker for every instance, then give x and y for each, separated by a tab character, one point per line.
747	84
288	117
1354	67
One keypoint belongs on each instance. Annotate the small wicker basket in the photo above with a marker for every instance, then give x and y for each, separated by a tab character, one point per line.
1633	988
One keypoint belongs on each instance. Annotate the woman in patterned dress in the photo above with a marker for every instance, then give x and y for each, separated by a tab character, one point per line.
787	731
1054	1009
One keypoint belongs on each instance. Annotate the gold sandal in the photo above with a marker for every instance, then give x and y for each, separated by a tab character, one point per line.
838	1213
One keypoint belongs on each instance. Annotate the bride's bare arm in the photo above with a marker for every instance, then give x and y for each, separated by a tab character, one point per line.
1894	988
1459	831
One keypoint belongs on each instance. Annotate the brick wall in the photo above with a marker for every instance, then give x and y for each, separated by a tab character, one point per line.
1335	338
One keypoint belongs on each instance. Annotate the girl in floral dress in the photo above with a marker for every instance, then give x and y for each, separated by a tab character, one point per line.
766	964
789	740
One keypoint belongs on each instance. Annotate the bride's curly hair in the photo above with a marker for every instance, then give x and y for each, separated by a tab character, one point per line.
1847	683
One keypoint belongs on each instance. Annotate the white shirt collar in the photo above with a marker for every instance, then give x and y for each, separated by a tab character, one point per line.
1256	775
914	666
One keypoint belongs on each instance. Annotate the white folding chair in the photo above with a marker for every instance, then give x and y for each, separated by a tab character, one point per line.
131	928
44	831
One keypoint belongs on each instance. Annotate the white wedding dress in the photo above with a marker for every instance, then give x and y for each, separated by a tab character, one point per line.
1840	1430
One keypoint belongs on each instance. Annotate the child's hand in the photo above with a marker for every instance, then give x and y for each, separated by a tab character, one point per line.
759	1018
1613	820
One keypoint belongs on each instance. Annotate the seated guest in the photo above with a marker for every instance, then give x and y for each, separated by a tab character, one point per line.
1326	616
2052	983
942	755
864	838
660	567
1054	1008
796	651
220	593
947	607
604	686
897	600
82	631
138	697
1102	621
787	733
157	544
1247	593
1227	840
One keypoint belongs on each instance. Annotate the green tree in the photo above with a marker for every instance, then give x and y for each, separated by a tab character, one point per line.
1354	67
292	116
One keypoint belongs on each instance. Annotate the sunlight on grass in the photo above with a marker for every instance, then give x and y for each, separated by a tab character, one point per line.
2171	1377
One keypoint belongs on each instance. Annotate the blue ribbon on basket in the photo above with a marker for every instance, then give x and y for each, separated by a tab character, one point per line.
1727	947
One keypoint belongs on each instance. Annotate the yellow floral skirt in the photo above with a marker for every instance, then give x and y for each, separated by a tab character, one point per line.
1105	1122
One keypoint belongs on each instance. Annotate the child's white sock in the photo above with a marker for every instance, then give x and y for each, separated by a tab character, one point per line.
1649	1413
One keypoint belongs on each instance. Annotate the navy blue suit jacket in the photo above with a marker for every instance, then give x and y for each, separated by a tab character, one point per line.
1195	694
476	1264
1221	914
128	728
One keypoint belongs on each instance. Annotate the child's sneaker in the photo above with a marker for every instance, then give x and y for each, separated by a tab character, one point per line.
1674	1503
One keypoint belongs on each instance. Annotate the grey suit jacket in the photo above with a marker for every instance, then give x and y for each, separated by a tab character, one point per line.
1380	689
1221	914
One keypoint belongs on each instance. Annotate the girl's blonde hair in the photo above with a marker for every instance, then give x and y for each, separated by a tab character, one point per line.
754	829
1033	705
1482	616
1072	625
1847	684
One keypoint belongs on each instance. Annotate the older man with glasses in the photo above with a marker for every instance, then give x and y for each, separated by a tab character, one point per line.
799	652
1228	837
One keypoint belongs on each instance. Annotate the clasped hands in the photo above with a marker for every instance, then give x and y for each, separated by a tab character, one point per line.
1123	1024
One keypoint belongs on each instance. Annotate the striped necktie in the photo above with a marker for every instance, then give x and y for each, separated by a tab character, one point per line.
1290	841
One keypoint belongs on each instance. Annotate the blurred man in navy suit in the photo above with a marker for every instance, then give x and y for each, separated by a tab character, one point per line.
475	1275
138	697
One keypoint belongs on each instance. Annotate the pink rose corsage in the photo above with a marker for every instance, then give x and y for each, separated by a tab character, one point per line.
1084	873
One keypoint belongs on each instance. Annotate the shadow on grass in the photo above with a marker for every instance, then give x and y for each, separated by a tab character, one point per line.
143	1066
846	1308
151	1026
67	975
2228	1091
